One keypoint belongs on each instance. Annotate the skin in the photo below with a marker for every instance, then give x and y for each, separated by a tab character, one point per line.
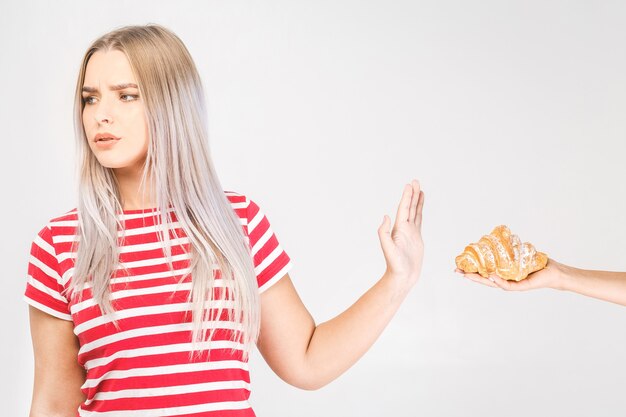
603	285
55	350
304	354
310	356
122	113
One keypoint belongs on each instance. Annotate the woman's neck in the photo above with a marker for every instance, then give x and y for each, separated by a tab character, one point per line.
128	183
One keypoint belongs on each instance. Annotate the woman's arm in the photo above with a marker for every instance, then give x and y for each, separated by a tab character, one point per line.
309	356
58	375
603	285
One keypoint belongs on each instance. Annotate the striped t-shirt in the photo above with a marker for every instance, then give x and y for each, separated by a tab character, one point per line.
144	369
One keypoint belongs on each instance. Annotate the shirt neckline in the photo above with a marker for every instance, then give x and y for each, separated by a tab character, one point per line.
145	210
136	211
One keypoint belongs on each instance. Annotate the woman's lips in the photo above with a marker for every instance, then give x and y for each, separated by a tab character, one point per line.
106	143
104	136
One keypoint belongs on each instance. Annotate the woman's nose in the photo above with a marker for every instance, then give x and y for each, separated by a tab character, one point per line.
104	119
103	112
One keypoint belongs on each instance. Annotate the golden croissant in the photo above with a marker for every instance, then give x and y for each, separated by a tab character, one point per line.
501	253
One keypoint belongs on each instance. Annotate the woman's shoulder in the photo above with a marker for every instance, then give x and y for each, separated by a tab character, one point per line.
57	232
240	200
235	197
63	219
71	214
240	203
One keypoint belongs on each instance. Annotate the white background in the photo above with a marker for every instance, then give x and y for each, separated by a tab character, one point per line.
508	112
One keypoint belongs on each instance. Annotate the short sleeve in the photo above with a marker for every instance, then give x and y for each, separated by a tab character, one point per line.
271	262
44	283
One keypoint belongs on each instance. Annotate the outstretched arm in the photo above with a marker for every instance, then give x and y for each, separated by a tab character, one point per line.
310	356
603	285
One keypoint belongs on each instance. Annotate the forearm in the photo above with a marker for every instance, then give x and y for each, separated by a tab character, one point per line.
604	285
338	343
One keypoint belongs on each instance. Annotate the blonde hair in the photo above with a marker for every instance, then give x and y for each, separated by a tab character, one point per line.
181	173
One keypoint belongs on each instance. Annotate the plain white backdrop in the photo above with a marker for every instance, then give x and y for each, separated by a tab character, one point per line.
508	112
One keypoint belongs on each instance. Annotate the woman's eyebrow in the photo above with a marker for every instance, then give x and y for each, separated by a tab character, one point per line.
115	87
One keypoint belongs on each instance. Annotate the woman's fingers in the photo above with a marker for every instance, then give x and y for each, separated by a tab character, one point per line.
411	204
404	207
420	207
415	196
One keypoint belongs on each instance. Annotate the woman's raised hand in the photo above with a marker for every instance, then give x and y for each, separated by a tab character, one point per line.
403	246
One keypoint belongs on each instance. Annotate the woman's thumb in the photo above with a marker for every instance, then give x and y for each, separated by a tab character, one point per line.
384	234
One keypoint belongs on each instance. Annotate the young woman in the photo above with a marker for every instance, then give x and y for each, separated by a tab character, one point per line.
146	298
603	285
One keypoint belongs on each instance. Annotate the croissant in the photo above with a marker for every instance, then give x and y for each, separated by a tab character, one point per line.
503	254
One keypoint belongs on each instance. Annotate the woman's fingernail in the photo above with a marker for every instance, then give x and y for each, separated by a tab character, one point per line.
492	280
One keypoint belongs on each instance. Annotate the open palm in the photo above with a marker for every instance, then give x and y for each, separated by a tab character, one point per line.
403	246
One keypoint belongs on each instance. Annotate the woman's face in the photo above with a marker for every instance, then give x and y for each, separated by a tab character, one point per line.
113	107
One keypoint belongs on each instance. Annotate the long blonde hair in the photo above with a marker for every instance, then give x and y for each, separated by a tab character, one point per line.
181	173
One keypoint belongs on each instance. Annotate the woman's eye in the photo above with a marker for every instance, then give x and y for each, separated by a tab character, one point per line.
134	97
87	100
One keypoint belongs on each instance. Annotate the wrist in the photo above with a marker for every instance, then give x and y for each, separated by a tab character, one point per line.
398	284
565	275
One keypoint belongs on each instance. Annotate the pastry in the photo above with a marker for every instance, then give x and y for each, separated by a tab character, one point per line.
501	253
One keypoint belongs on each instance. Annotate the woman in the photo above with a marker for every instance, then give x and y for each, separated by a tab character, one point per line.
167	330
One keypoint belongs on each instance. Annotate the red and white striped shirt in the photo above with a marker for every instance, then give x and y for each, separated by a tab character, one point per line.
144	369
